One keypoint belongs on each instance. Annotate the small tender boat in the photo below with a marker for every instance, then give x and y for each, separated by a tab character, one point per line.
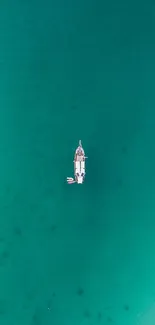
79	166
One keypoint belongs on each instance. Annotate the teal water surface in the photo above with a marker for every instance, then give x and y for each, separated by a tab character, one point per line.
71	254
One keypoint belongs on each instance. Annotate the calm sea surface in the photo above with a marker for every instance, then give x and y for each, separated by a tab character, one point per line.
70	70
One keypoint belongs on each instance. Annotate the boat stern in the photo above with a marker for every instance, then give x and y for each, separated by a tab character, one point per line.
79	179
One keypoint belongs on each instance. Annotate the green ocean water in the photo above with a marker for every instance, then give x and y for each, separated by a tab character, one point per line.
71	254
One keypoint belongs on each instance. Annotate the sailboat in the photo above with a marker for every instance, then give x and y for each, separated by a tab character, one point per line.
79	166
